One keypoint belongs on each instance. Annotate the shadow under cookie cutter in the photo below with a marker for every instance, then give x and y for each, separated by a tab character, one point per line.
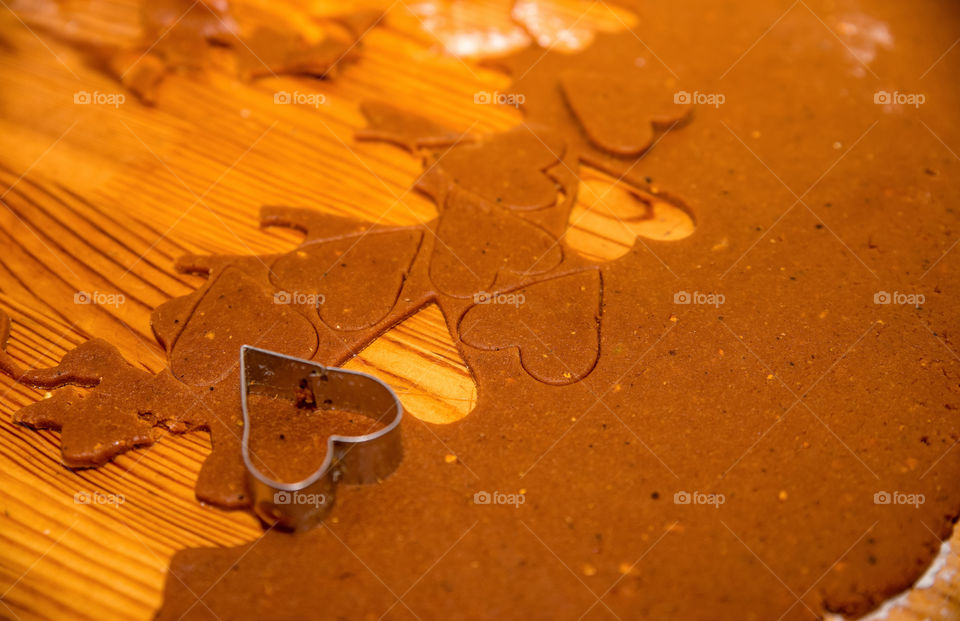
349	459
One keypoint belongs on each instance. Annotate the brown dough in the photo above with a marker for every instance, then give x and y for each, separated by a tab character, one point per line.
411	132
274	51
182	34
98	425
208	349
289	443
551	323
180	20
682	399
328	272
618	113
514	174
478	242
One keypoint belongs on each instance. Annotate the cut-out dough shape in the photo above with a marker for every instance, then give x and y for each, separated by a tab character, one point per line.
410	131
104	422
208	349
273	51
191	35
618	113
182	29
329	271
555	325
289	442
513	168
476	242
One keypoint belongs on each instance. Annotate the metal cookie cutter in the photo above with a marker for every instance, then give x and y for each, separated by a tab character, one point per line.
350	459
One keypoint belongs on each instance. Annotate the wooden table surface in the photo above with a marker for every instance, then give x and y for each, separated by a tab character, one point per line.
104	199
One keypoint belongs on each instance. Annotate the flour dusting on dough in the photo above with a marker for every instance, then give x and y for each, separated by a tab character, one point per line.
863	36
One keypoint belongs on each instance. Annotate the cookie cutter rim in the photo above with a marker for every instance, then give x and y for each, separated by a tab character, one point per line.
327	467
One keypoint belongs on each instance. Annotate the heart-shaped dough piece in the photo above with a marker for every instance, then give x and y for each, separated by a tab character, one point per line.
554	323
620	115
236	311
508	169
325	275
476	243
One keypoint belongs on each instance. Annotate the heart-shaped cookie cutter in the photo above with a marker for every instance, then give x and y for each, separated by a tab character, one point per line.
361	459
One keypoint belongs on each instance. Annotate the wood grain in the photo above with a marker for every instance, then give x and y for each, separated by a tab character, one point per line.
103	199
